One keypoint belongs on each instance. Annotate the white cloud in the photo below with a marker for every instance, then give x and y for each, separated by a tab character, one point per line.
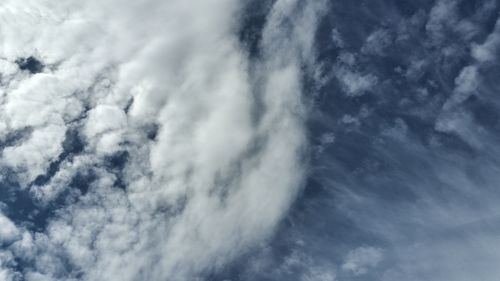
466	84
377	42
337	38
319	274
354	83
214	182
359	261
32	157
8	230
6	274
442	18
488	51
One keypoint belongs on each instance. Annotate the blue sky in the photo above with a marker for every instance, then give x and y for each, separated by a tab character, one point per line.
249	140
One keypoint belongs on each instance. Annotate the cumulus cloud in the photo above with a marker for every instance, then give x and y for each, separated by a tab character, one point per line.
213	178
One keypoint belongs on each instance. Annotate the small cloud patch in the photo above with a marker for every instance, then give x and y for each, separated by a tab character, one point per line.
360	260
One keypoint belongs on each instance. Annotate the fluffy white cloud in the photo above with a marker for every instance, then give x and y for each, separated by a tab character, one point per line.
217	177
32	157
8	230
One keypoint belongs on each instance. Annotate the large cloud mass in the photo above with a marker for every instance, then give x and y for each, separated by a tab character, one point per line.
160	150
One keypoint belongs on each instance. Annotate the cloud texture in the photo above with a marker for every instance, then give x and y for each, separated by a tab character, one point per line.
160	150
249	140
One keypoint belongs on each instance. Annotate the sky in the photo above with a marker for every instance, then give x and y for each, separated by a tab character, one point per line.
250	140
